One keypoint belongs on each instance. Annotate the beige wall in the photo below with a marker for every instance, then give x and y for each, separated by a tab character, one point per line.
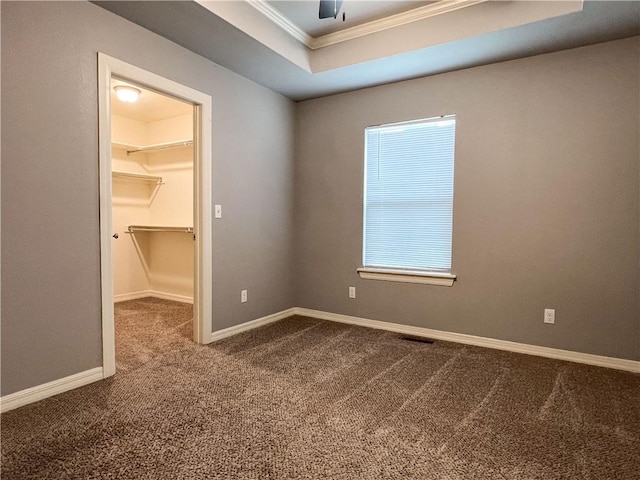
545	210
130	206
153	262
172	254
171	129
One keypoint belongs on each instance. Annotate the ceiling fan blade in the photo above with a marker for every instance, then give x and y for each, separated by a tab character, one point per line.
329	8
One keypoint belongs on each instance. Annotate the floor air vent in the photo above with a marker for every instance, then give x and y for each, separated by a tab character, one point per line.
413	338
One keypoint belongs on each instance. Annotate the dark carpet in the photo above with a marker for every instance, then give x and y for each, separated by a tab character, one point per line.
311	399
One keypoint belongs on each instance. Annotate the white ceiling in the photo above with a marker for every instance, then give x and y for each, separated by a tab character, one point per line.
150	107
304	14
249	38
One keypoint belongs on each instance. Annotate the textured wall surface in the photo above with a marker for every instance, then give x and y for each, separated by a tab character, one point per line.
545	210
547	190
51	311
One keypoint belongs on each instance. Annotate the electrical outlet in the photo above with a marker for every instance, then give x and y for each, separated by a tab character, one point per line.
243	296
549	315
352	292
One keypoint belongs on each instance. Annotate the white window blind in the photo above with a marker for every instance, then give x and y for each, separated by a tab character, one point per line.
408	198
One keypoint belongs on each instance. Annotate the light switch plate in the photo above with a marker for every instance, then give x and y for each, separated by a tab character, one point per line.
217	211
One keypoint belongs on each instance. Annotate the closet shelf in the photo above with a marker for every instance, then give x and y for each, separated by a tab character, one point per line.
138	176
157	228
153	147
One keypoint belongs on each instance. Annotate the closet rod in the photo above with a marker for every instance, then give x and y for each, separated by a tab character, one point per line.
151	228
161	146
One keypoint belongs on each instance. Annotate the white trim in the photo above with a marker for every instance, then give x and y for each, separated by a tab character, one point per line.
123	297
39	392
250	325
375	26
171	296
281	21
567	355
407	276
106	223
203	226
108	67
392	21
49	389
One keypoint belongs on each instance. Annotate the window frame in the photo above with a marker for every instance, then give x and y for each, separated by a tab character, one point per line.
434	276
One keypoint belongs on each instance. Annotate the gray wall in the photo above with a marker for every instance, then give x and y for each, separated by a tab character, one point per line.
51	313
546	201
546	208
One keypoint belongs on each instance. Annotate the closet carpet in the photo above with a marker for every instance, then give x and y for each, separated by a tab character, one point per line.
310	399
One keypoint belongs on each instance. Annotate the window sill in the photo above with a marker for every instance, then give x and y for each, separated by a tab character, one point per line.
407	276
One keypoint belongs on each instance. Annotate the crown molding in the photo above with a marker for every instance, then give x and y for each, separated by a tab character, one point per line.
281	21
392	21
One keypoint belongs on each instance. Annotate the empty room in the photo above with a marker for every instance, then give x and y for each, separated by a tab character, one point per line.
314	239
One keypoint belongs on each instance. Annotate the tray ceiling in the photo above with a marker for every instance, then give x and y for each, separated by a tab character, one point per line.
304	14
435	37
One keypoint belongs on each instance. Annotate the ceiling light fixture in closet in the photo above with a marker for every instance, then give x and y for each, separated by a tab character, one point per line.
126	93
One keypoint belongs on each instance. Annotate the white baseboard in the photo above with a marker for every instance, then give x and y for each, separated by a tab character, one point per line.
123	297
40	392
259	322
171	296
586	358
33	394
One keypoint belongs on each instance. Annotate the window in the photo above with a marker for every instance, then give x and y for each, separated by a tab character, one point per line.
408	201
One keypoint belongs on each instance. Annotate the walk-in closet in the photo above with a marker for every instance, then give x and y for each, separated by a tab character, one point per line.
152	204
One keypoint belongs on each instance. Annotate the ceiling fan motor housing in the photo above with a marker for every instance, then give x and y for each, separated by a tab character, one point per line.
329	8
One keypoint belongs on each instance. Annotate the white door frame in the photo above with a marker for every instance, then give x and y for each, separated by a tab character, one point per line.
202	298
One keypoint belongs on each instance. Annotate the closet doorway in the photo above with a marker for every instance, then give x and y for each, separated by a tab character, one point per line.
155	196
